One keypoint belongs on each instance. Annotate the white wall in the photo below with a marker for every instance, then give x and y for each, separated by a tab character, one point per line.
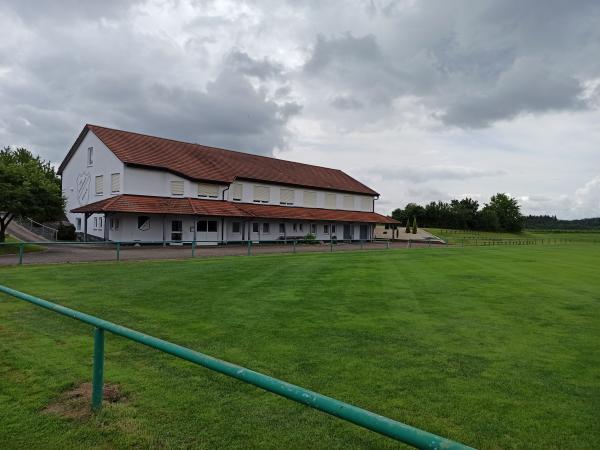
248	196
77	175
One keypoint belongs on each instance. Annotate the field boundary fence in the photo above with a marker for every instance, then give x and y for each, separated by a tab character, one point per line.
380	424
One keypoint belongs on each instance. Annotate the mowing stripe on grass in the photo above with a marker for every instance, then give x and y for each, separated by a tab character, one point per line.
362	417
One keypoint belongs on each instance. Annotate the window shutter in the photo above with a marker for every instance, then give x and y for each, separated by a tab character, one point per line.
208	190
330	201
99	185
348	202
177	187
262	194
366	204
236	191
115	182
286	197
310	198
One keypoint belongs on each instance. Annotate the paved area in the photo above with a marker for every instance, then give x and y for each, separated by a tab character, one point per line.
73	253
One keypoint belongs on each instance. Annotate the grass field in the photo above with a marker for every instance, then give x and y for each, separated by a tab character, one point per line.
13	248
496	347
457	236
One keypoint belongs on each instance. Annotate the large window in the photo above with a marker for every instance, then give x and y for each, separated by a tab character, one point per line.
310	198
330	201
177	187
236	227
143	223
286	197
326	229
348	202
114	224
99	185
262	194
78	224
282	228
209	226
207	190
266	228
313	228
115	182
366	203
255	227
237	191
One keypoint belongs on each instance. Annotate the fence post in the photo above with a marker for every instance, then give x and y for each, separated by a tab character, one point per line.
98	371
361	244
118	250
193	248
21	250
388	244
249	247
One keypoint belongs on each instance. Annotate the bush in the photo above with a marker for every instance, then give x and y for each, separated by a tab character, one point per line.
310	238
407	230
414	227
66	232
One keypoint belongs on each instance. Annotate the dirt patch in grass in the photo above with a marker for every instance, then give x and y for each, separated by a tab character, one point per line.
76	402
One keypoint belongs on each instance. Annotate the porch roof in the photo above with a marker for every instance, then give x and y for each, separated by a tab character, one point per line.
143	204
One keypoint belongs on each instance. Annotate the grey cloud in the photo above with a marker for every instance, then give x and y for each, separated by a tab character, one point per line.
421	174
344	49
345	102
262	69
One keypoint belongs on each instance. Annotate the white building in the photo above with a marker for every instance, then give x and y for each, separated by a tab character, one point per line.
124	186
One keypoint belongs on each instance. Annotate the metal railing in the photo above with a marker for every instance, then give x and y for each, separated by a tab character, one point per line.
345	411
38	228
293	246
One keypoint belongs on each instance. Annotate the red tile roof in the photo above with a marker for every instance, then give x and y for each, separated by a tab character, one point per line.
199	162
192	206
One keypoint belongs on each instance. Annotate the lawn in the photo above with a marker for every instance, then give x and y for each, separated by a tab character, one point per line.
496	347
558	236
11	247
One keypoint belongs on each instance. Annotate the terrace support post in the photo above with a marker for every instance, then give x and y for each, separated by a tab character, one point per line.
164	236
86	216
98	371
106	226
21	251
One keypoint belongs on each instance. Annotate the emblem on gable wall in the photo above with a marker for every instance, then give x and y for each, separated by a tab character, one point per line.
83	187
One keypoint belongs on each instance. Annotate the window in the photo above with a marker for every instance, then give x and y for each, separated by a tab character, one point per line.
255	227
310	198
99	185
313	229
282	228
286	197
237	191
208	190
332	229
330	201
326	229
295	227
115	182
201	225
262	194
100	222
348	202
177	187
366	203
300	226
90	156
78	223
235	227
387	226
95	222
114	224
266	227
143	223
211	226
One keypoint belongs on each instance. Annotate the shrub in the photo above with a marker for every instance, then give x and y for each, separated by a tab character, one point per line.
414	227
407	226
310	238
66	232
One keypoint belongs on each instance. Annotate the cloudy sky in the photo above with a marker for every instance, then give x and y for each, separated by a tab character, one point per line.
422	100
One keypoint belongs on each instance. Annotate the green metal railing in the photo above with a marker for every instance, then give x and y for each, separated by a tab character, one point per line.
367	419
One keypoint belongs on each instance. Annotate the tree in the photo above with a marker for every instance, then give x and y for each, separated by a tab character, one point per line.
29	187
487	219
407	230
414	227
508	211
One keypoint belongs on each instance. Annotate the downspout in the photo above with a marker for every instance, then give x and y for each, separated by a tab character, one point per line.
223	218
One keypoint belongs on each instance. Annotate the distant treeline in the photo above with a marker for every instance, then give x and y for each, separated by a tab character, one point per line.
552	223
501	213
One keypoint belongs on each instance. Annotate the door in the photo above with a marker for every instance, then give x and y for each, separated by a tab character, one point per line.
176	230
348	232
207	230
364	232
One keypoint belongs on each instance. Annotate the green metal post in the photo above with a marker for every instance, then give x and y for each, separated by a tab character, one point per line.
249	247
388	244
361	244
98	373
21	250
294	245
193	248
331	245
118	251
